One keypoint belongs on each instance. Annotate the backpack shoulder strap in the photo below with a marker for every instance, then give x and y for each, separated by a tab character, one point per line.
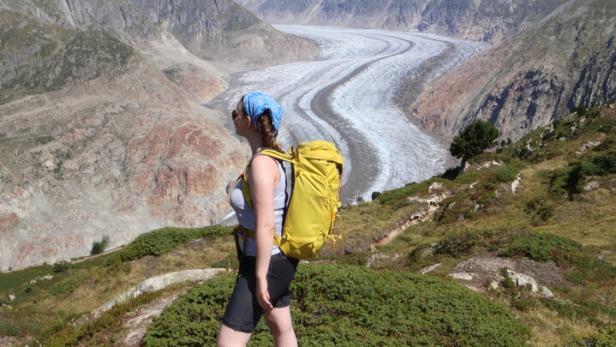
278	155
270	153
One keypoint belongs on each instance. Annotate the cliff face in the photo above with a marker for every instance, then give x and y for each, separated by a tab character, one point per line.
564	62
212	29
102	131
484	20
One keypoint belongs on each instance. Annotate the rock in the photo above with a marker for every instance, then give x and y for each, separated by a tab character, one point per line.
434	187
429	268
547	293
604	253
11	297
423	252
374	259
375	195
590	186
490	164
138	323
523	280
487	272
515	184
472	185
49	164
591	144
464	276
8	221
46	277
8	340
156	283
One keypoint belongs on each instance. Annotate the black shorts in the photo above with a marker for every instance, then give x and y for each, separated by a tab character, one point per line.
243	311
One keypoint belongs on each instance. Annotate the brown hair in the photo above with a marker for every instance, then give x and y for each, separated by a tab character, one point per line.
268	134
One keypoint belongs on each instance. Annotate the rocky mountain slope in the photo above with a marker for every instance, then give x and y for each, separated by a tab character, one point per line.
567	60
102	131
485	20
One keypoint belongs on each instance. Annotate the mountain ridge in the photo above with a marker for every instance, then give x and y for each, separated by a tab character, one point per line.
529	81
490	21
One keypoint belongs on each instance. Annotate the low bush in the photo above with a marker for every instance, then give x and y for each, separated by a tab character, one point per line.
99	247
570	180
606	337
539	210
543	247
163	240
390	196
507	172
352	306
458	244
61	266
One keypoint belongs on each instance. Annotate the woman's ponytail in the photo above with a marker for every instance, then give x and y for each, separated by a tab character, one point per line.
268	135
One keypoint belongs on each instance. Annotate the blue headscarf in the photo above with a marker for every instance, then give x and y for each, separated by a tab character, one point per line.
255	103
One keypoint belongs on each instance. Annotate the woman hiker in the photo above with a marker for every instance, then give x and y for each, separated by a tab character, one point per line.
265	273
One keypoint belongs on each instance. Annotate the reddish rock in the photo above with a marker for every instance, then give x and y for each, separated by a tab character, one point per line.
8	221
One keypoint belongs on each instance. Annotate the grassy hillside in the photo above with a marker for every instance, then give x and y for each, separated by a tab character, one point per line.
557	224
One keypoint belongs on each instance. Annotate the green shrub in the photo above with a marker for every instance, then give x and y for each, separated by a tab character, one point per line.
64	287
61	266
394	195
163	240
539	210
507	172
602	164
571	180
607	337
591	112
543	247
458	244
352	306
98	247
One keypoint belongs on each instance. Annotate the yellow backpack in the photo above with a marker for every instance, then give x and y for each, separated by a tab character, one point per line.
314	200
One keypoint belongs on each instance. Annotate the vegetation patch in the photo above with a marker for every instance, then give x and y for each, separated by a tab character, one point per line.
163	240
543	247
350	305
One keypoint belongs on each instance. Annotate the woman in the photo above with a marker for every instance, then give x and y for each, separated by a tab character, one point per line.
262	286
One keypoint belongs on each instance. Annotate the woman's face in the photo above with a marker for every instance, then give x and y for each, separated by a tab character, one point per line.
240	120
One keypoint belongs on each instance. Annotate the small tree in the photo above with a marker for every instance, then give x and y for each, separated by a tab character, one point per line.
473	140
98	247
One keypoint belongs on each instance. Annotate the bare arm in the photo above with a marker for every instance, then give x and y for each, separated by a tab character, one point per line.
262	180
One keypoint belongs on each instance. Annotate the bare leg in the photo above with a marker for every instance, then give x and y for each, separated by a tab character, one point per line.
281	326
228	337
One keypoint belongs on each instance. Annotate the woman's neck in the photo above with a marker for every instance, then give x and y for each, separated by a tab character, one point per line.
255	142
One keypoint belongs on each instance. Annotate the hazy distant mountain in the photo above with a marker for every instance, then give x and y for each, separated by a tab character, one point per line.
41	39
567	60
102	131
487	20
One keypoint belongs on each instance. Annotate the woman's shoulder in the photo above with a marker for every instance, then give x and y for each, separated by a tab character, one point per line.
263	164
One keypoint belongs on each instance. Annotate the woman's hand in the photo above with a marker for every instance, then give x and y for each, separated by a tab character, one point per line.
263	297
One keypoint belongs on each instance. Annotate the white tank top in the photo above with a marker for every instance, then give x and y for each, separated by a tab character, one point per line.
246	215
